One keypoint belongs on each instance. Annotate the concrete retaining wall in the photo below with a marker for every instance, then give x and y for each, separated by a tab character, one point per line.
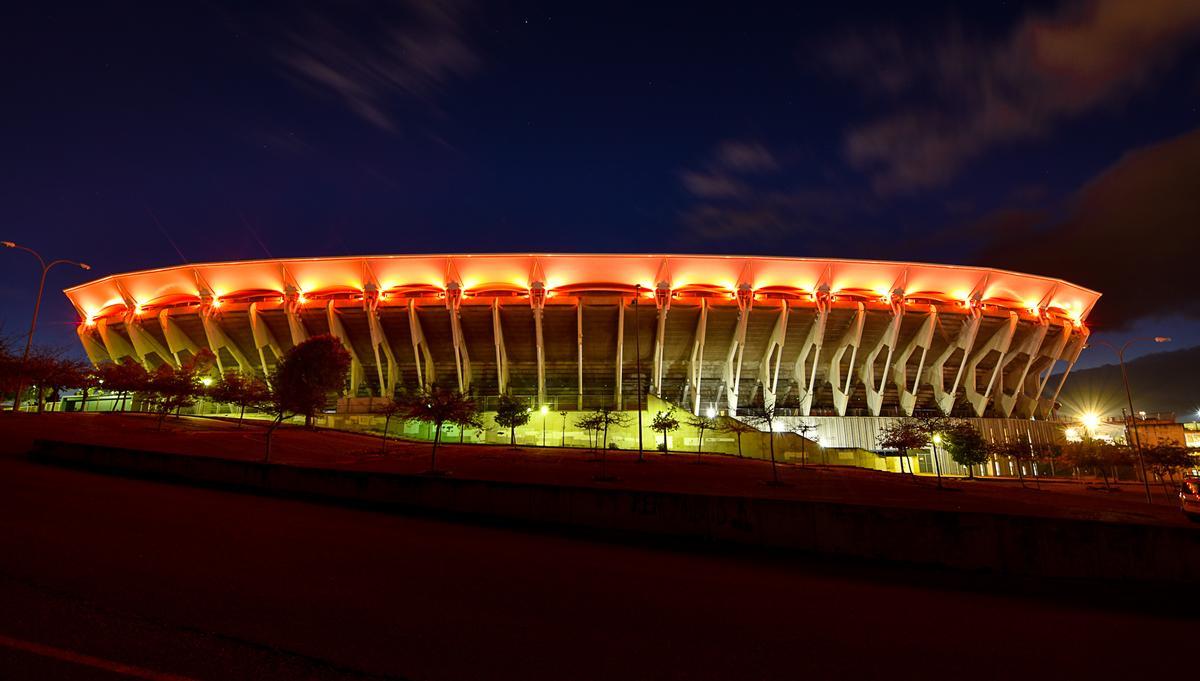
1010	545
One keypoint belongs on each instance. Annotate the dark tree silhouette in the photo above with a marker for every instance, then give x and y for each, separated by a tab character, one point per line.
305	378
701	424
438	406
665	423
246	393
965	445
512	413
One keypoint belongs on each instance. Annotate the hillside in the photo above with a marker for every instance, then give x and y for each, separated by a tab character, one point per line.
1164	381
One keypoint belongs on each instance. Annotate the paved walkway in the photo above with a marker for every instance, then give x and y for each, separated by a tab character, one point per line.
709	474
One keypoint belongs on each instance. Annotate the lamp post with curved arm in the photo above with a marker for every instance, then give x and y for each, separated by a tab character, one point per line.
1131	433
37	305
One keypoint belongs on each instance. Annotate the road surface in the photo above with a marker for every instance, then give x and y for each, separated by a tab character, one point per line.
109	578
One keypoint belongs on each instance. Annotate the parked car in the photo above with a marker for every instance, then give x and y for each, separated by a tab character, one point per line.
1189	497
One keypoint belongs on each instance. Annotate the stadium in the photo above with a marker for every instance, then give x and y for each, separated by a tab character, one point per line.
846	344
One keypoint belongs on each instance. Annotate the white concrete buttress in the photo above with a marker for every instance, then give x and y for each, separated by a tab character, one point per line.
768	368
851	340
732	373
922	339
339	331
501	353
696	363
1000	342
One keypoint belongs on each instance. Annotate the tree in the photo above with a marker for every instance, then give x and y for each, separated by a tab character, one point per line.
464	421
590	423
236	389
965	445
1095	456
390	409
563	414
1165	460
48	373
604	418
512	413
305	378
803	430
174	388
701	424
766	417
89	381
738	429
665	422
123	377
1018	451
901	436
437	406
1048	456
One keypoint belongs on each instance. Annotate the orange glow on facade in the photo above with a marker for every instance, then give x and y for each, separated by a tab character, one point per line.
579	274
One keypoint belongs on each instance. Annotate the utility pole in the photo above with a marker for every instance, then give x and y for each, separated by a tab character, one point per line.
1133	437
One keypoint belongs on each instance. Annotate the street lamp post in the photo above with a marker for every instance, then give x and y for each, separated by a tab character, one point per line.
1131	433
37	305
545	409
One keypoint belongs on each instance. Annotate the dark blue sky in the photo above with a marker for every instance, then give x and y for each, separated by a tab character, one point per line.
1059	138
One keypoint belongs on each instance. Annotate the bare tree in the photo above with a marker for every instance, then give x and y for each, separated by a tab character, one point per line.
437	406
701	424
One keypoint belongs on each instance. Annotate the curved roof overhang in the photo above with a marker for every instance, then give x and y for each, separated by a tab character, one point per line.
578	274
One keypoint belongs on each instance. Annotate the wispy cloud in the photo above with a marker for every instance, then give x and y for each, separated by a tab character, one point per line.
370	57
741	193
957	96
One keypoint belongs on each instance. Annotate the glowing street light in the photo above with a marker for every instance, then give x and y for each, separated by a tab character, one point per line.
712	413
206	381
1090	420
37	305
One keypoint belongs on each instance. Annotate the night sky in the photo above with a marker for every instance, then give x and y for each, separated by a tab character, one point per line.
1058	138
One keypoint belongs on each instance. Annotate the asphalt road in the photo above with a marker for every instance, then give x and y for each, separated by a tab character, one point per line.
109	578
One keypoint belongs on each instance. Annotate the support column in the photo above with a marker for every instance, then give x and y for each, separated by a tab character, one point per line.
696	365
217	339
537	301
768	367
662	302
806	378
620	350
293	302
263	338
462	363
1035	383
851	339
922	339
1070	357
964	342
177	340
579	348
95	351
1012	384
426	378
1000	342
732	374
890	338
339	331
379	343
501	354
144	344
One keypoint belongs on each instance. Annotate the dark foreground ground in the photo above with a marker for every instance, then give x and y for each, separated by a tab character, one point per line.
102	573
678	472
